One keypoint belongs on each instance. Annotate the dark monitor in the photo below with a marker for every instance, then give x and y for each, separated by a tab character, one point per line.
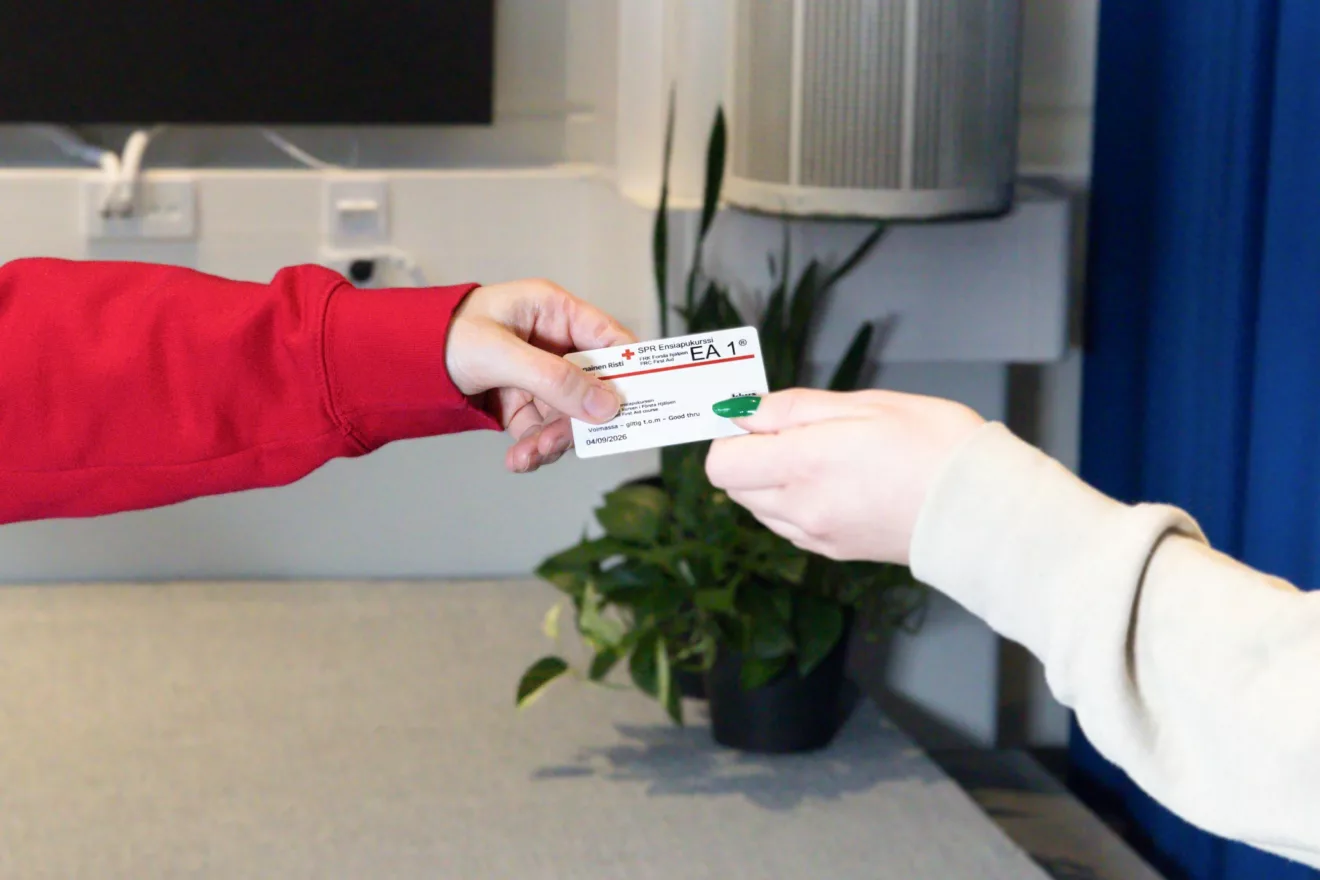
271	62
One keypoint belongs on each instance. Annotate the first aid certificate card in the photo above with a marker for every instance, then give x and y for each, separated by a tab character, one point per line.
668	388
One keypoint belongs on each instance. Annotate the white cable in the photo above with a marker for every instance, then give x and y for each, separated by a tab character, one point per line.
121	173
297	153
121	194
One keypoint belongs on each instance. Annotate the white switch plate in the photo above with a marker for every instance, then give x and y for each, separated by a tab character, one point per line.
356	211
165	209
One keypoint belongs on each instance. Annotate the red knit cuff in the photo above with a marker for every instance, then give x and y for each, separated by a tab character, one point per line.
385	364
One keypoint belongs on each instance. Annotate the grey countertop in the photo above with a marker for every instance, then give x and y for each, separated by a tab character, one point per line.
367	731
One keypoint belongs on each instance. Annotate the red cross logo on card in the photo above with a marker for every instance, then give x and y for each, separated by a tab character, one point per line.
629	353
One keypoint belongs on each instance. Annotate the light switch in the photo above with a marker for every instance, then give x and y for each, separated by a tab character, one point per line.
356	211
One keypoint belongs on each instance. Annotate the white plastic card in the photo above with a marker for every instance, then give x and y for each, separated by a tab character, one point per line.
668	388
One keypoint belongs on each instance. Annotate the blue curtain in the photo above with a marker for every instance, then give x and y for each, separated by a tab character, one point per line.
1203	316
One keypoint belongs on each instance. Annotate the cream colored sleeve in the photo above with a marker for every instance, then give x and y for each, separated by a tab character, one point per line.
1197	675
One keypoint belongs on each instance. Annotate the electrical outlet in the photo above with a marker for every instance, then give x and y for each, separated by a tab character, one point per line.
165	208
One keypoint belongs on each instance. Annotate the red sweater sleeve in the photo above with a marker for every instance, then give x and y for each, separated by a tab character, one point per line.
126	386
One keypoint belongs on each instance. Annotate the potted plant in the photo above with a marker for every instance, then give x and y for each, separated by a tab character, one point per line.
682	581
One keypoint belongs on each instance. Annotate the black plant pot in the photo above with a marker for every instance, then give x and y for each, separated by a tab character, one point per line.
691	685
792	713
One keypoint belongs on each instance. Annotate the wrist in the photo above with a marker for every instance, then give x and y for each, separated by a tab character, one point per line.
386	364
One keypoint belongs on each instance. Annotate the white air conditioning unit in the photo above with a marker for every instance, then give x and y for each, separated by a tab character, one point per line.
895	109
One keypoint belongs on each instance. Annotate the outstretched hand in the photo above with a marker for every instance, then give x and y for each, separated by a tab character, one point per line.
841	474
508	341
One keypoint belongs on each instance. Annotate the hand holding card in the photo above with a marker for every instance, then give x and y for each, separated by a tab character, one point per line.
669	388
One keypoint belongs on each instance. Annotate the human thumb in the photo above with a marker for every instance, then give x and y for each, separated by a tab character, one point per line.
554	381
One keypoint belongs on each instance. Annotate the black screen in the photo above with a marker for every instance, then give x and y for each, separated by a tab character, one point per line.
246	61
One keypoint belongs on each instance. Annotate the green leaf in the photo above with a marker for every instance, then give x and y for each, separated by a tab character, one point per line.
674	706
757	672
773	559
780	368
603	663
665	690
710	201
642	666
634	513
658	604
537	677
660	234
629	576
786	322
770	639
807	296
599	630
714	311
670	556
550	625
581	558
571	583
720	600
691	490
701	655
671	465
729	316
848	374
819	626
715	151
856	256
764	623
790	565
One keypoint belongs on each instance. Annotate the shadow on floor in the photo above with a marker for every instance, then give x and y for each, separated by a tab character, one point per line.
673	761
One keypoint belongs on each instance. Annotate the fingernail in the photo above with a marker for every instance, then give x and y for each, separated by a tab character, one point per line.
737	407
560	446
601	404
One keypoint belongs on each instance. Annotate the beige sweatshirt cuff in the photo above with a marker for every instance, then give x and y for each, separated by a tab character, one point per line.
1191	671
1046	560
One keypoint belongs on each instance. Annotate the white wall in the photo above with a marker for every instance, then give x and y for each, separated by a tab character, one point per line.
578	81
